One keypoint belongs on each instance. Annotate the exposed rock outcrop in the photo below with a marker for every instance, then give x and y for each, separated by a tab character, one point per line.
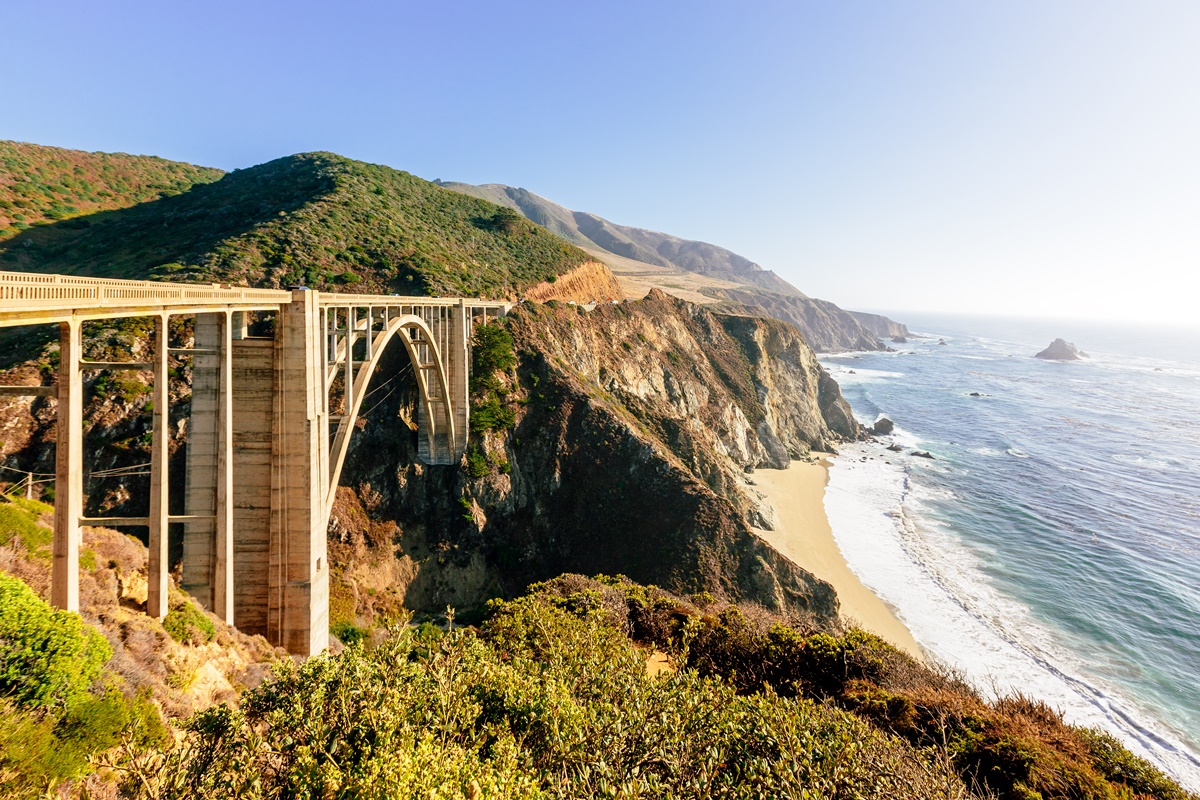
1062	350
587	283
881	326
826	327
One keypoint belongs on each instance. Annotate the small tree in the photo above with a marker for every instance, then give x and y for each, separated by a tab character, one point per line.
506	220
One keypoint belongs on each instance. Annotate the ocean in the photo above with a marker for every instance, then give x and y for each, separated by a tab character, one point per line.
1052	544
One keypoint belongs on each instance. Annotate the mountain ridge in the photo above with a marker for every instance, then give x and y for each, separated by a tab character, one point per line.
732	281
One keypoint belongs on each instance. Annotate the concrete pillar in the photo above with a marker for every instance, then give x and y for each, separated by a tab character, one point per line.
298	609
223	600
68	484
157	595
459	368
208	543
253	379
200	485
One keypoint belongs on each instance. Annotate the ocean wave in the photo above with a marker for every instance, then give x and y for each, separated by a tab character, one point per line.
847	376
883	523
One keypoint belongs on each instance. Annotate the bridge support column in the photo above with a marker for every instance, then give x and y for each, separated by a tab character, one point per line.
458	368
208	543
253	372
158	567
298	608
68	483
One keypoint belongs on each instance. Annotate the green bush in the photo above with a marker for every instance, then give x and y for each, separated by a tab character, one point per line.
348	633
18	523
188	624
1121	766
48	658
59	708
492	353
477	463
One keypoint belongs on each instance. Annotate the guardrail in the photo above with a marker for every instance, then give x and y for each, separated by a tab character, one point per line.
33	290
328	299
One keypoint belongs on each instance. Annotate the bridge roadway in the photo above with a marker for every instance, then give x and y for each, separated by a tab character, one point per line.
272	413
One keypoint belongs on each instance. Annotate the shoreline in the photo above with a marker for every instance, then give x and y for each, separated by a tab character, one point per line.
803	534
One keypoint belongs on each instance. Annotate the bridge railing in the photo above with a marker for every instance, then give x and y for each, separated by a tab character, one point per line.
340	299
37	290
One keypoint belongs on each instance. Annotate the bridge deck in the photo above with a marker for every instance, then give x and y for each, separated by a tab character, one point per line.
29	298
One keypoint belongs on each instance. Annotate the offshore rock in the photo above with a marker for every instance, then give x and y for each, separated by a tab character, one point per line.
1061	350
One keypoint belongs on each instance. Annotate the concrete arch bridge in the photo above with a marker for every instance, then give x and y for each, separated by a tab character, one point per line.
272	416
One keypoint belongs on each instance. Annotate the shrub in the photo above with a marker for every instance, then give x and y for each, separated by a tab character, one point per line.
349	633
48	658
188	624
19	524
544	702
477	462
492	352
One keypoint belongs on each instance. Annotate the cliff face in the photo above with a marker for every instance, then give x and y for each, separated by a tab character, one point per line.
826	327
634	426
879	325
587	283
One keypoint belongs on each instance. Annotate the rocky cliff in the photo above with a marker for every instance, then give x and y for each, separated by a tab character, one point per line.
826	327
588	283
879	325
633	428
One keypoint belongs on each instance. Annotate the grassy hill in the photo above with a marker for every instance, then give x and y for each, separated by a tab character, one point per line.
45	184
316	218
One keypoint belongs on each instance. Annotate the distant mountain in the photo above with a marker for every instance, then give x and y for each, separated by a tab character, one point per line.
644	258
315	218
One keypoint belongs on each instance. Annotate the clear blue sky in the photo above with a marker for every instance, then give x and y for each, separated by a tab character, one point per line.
1007	156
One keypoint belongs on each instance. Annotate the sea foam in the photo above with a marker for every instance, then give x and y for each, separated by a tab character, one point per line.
878	512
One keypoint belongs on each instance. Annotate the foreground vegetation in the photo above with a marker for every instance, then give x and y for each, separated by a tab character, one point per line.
582	688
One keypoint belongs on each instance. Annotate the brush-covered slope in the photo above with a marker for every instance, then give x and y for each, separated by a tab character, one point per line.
319	219
41	184
643	257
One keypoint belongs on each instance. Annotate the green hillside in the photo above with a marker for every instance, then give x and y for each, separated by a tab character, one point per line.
316	218
44	184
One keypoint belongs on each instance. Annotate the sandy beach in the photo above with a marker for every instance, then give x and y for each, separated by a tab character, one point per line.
803	534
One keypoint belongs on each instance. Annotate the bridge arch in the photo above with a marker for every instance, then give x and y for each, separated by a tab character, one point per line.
420	343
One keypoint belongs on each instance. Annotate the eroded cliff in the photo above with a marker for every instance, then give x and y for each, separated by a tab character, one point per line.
632	429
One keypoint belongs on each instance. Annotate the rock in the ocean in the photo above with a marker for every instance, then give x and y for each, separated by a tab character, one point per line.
922	454
942	342
883	426
895	448
1062	350
899	340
